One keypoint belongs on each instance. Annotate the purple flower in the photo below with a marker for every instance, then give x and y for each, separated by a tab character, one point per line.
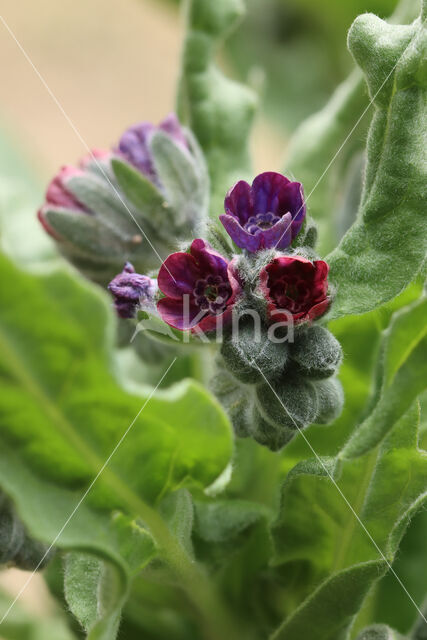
267	214
134	143
200	288
132	291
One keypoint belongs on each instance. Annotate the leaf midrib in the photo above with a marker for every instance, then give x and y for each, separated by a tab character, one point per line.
352	522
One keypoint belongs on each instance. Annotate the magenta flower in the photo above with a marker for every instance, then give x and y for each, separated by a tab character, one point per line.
295	285
132	291
200	288
267	214
134	143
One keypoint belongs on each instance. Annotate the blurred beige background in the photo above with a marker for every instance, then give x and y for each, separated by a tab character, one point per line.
109	63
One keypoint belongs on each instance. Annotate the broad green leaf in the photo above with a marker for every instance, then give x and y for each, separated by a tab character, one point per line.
20	624
220	520
403	373
95	593
318	529
386	604
62	412
385	248
218	110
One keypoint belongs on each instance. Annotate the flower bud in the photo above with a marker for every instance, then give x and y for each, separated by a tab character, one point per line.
248	351
330	399
134	144
271	434
12	533
32	555
133	204
132	291
290	401
316	351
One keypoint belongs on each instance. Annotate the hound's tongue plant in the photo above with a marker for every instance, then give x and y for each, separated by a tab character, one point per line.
173	516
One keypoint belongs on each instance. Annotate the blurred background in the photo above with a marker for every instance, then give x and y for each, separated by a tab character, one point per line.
110	63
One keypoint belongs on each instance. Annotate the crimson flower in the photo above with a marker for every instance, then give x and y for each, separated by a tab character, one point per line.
200	288
295	285
267	214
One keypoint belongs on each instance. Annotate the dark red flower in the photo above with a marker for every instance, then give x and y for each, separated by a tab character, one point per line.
267	214
295	285
200	288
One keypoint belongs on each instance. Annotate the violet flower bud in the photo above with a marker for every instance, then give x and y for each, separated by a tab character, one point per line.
132	291
134	145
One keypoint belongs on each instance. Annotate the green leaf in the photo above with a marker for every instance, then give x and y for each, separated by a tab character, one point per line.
95	593
403	374
383	489
385	248
313	146
63	412
218	110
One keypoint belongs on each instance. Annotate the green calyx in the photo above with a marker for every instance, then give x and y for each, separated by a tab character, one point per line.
271	389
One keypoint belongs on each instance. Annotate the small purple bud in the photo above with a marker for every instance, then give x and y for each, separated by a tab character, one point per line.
134	143
132	291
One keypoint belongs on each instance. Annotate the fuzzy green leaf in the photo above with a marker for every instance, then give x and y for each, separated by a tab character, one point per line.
403	374
384	489
62	413
385	248
218	110
95	593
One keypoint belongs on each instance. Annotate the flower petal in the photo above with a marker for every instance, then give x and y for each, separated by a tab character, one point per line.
238	202
176	314
172	126
178	274
266	191
242	238
279	236
209	261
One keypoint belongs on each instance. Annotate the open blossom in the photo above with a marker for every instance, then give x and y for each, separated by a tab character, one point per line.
134	143
132	291
296	285
200	288
267	214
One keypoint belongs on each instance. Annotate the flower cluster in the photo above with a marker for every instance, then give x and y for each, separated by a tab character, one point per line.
272	273
270	388
201	286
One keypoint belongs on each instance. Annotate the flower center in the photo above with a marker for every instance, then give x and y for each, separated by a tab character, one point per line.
261	222
291	294
211	294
